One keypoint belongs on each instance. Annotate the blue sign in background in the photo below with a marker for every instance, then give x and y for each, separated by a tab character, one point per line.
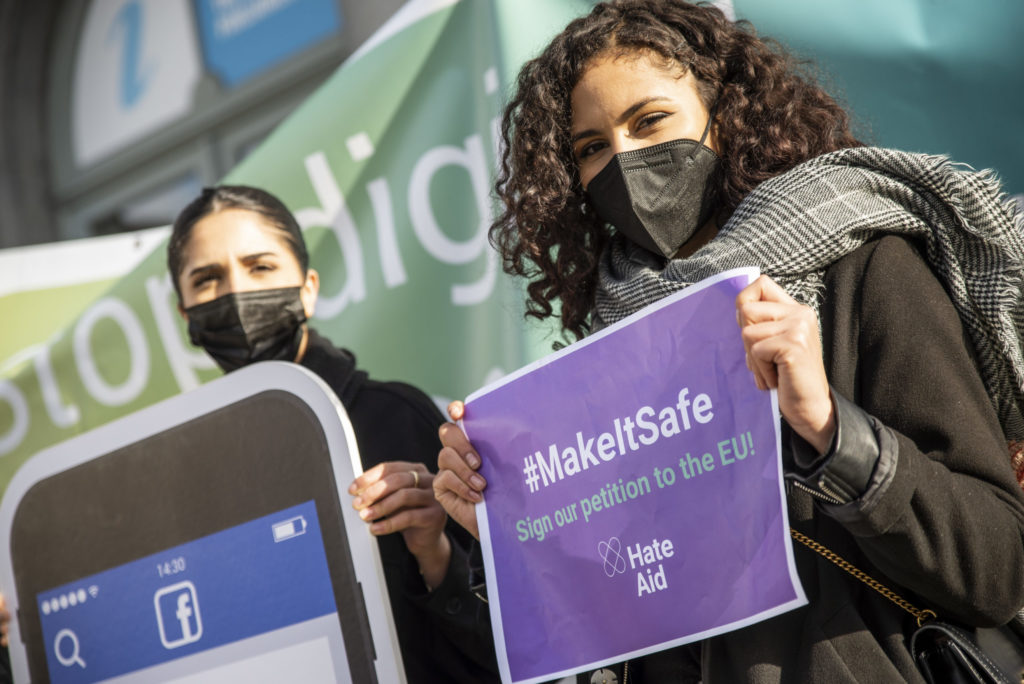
240	581
243	38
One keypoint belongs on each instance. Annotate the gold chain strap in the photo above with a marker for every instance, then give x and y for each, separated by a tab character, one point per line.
921	615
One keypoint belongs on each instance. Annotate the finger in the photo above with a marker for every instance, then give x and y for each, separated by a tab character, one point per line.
758	312
447	483
367	478
793	328
779	352
402	499
764	370
450	459
755	332
452	436
463	512
381	471
404	520
760	371
758	368
763	289
765	373
5	619
456	410
796	335
396	481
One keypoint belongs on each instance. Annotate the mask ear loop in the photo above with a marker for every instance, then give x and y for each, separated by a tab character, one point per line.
707	129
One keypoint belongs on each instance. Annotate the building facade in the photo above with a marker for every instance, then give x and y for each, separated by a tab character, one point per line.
114	113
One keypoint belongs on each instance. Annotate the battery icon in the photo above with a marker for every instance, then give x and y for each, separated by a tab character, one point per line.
287	529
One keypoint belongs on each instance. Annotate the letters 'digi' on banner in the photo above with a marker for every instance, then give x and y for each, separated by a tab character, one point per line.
635	496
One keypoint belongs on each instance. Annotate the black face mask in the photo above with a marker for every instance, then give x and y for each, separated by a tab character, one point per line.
243	327
659	196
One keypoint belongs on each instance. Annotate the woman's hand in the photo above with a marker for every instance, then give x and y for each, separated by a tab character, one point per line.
458	486
397	496
784	352
5	621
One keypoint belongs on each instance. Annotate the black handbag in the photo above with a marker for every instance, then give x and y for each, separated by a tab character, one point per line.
945	653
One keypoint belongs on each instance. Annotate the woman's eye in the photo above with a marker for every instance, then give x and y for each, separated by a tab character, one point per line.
650	119
203	280
589	149
262	267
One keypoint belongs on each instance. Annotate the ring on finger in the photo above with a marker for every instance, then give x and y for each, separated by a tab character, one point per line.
415	480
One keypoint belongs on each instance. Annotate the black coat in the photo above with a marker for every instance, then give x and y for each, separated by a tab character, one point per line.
942	522
437	631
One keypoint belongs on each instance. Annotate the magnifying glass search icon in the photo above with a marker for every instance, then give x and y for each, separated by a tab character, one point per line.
74	656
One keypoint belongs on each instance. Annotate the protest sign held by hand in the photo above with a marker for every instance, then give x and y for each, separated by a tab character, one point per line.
652	489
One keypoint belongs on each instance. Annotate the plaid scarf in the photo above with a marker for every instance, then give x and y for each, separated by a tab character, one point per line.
794	226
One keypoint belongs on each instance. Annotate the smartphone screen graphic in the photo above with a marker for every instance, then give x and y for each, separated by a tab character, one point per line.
243	590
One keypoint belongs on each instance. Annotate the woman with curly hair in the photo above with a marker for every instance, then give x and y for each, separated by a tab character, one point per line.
654	143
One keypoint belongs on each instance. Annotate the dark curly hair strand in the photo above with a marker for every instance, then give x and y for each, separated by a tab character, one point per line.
769	117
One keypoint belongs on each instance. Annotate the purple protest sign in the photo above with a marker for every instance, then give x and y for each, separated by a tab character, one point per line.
635	498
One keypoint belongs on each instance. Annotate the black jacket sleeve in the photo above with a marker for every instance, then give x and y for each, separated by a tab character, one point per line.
466	620
943	515
444	634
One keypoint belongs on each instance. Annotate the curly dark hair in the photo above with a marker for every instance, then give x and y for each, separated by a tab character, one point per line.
769	117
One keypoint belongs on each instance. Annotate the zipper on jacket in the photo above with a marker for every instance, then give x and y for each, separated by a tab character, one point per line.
823	494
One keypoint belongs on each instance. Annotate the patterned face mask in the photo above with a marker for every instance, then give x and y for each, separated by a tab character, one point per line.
659	196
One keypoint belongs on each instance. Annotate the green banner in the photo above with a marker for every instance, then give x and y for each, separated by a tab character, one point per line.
388	167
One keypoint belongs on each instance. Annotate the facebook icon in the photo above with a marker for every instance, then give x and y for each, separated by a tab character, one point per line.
177	614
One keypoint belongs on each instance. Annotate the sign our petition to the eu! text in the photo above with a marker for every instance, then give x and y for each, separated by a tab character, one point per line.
635	497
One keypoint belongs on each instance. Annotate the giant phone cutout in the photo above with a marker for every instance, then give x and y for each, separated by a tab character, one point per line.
207	538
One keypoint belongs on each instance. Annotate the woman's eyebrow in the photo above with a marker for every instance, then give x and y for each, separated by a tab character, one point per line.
630	111
253	257
204	270
216	268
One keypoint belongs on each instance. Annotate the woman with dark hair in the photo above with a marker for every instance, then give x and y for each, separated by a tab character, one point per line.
240	267
654	143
